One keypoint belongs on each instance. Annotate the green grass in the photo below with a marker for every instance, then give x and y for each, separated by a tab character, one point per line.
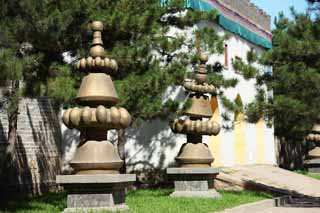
144	201
309	174
158	201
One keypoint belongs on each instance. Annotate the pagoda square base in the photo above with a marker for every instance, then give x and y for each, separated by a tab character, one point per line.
91	193
313	165
193	182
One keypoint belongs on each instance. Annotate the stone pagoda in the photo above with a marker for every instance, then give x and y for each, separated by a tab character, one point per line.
194	175
96	183
313	157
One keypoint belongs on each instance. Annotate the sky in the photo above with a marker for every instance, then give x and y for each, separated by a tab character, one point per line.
273	7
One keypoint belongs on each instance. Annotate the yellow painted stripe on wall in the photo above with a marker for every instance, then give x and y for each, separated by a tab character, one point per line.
215	141
260	142
240	142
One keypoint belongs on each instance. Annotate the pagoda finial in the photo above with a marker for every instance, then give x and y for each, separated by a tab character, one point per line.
97	49
97	61
203	58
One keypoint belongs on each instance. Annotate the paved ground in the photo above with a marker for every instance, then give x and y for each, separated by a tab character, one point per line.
288	210
271	178
268	206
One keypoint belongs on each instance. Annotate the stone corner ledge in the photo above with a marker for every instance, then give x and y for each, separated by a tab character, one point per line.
203	171
116	208
94	179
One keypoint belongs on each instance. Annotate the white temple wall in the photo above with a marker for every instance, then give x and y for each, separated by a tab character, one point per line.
153	145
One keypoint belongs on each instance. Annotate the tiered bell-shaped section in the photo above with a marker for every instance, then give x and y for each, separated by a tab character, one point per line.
95	154
313	157
195	158
194	153
97	184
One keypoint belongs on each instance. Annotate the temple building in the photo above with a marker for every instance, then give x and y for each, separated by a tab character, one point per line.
42	141
153	145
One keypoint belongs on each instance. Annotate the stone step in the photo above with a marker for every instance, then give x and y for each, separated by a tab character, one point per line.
270	206
268	178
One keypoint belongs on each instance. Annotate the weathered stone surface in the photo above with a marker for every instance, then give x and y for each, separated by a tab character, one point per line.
313	165
38	146
270	178
90	193
115	208
191	185
177	171
96	200
97	178
196	194
193	182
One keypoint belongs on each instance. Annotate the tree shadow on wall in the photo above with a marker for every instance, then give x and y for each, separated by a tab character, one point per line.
147	156
37	149
16	178
152	146
48	137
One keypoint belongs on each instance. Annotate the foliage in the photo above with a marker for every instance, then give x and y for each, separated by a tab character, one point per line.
247	70
296	74
295	80
259	108
141	201
149	59
234	106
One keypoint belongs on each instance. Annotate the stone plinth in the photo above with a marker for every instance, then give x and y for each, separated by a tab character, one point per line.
89	193
313	165
193	182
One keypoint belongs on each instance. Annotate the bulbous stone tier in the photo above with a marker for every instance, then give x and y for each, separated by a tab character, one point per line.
195	155
101	118
313	137
199	88
97	64
199	127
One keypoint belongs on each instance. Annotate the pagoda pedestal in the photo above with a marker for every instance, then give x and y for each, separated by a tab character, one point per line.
194	176
193	182
96	183
89	193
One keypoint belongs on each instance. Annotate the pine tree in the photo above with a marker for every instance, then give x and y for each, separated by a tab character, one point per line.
295	82
296	75
135	35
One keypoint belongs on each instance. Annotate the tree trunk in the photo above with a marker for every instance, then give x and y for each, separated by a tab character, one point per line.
291	153
121	150
13	112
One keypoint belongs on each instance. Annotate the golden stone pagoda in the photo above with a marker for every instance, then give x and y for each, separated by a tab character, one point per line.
96	183
195	153
95	154
194	175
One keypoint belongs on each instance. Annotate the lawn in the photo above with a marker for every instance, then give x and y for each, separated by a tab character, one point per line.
144	201
309	174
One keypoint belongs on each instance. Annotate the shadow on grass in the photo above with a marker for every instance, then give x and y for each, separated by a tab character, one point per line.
51	202
144	201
